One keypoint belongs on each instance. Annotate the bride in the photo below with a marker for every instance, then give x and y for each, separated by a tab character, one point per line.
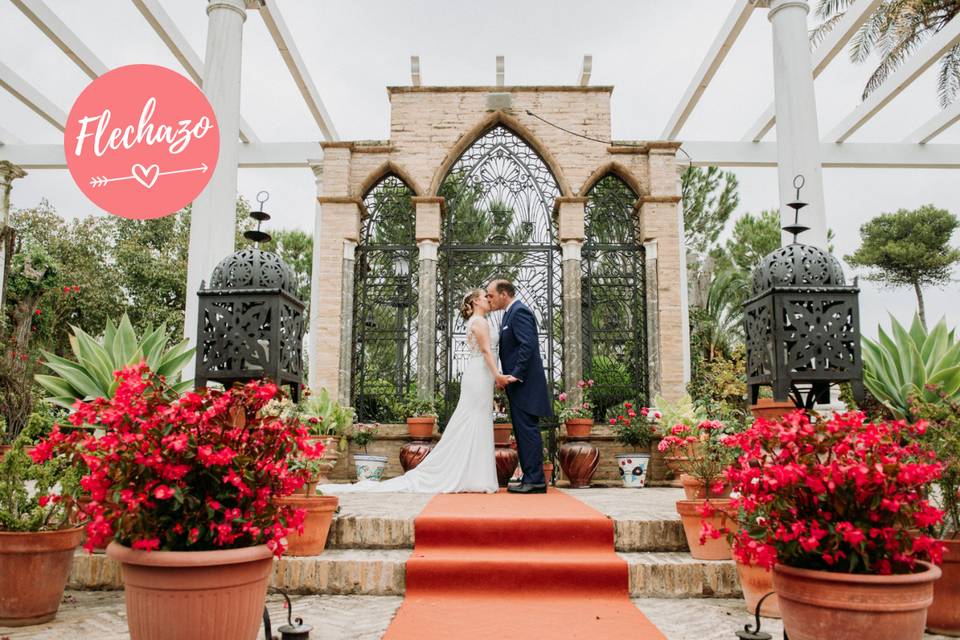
463	459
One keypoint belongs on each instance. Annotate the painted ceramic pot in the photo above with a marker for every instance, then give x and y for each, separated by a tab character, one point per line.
633	469
370	467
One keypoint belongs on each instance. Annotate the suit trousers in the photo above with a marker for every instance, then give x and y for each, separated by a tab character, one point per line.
526	429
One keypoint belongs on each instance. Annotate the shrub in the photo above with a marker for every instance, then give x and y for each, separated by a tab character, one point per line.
575	404
943	436
35	497
635	429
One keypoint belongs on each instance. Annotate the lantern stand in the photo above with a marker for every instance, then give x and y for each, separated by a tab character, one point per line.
755	634
289	631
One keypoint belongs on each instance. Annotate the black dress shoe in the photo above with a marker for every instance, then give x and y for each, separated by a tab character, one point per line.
528	488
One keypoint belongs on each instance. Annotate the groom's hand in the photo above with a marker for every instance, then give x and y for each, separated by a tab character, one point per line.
503	380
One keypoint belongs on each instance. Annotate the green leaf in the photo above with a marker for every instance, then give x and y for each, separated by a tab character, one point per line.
172	366
125	347
948	380
918	333
75	375
55	385
93	357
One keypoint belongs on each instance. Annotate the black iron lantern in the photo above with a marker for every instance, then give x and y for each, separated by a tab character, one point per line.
802	324
251	323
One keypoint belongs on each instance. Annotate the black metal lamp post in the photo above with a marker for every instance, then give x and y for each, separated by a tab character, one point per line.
802	323
251	323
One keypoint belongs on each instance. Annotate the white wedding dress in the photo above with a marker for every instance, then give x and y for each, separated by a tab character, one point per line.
463	460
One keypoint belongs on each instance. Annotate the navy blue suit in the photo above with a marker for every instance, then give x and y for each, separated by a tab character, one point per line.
529	398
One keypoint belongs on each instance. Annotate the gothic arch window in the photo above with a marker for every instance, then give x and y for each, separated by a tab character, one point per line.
613	295
499	197
385	302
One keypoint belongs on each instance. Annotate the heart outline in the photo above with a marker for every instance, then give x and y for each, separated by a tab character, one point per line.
150	174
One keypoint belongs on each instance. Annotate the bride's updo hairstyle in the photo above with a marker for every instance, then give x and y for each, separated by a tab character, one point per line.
466	307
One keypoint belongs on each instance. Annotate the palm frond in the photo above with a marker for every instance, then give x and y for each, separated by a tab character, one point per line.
821	31
892	61
948	79
830	8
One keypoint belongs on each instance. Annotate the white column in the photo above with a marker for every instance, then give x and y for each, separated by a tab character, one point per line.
684	288
213	218
8	173
313	375
798	135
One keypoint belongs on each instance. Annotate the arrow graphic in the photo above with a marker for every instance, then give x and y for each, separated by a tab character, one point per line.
147	176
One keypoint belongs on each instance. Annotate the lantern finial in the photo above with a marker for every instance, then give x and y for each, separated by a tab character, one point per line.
796	228
256	235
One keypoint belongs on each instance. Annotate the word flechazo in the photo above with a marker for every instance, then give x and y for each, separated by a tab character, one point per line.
178	136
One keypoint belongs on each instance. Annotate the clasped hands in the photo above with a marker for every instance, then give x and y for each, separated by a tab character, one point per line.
504	380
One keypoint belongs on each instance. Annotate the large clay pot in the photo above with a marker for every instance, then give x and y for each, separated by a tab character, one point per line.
412	453
770	409
507	460
421	427
184	595
849	606
316	526
694	489
691	514
501	433
33	573
633	469
579	427
548	471
756	582
943	616
579	460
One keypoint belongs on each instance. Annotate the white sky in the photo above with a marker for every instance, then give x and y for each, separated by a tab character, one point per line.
647	49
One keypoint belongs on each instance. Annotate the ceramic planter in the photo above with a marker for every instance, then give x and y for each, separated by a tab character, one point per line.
421	427
413	453
579	427
694	489
183	595
756	582
370	467
633	469
691	513
502	433
507	459
316	526
820	604
943	616
579	460
34	567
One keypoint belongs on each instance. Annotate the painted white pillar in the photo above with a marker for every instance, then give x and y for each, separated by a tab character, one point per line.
8	173
213	218
313	376
798	134
684	287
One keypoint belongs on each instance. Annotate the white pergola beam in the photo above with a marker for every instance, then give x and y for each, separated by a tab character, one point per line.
164	26
850	155
62	36
586	69
8	137
936	125
298	69
899	80
28	95
823	55
737	18
415	78
256	155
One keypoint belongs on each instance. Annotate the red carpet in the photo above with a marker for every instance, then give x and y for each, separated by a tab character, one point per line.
512	566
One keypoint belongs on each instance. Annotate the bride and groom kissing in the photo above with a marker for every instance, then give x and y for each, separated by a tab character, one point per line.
463	460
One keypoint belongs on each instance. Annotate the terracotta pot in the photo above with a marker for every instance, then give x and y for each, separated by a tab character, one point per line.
770	409
3	451
691	513
694	489
421	427
507	460
579	460
756	582
579	427
331	455
821	604
502	433
943	616
183	595
548	471
316	526
412	453
34	567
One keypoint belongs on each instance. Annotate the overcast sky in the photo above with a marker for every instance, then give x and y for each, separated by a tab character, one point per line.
647	49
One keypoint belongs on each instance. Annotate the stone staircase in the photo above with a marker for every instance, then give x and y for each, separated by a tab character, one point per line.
370	542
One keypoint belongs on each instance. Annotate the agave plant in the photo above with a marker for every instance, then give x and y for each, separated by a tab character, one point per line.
912	364
91	375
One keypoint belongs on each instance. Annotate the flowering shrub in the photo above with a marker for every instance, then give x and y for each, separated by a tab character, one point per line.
198	472
839	495
364	434
702	451
635	429
943	436
34	497
575	405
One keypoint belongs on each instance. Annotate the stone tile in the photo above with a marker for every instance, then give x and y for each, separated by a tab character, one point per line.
677	575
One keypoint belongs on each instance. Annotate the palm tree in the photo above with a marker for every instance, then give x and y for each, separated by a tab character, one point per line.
720	322
895	30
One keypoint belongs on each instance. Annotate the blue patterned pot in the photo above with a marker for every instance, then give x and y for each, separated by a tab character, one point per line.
633	469
370	467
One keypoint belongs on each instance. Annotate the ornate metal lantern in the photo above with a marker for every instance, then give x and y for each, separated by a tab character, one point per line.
802	323
250	323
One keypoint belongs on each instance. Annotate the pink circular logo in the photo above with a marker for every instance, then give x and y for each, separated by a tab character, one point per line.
141	141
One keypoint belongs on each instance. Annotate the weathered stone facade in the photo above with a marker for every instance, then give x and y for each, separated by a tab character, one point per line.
430	128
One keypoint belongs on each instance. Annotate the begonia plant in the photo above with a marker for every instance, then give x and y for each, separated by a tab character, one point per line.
700	451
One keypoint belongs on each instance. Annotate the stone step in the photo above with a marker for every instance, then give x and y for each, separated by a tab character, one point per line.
382	572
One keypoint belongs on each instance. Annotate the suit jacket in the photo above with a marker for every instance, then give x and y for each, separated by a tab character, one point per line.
520	357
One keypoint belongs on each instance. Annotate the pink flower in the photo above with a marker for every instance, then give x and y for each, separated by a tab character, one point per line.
163	492
562	397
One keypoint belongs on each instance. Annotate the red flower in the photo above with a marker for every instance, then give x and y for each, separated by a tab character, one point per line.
151	544
163	492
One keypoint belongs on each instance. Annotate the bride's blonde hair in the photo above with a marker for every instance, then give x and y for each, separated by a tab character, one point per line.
466	307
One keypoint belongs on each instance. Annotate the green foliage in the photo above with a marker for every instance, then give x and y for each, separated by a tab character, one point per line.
753	237
900	368
91	374
364	434
680	411
632	428
943	436
719	387
613	385
709	198
332	418
414	406
24	485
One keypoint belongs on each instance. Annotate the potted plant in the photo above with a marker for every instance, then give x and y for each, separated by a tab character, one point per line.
421	417
187	488
943	436
318	509
328	422
37	538
680	411
703	457
634	430
502	427
840	510
369	467
575	411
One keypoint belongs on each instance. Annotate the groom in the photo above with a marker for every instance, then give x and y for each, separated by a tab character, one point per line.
524	380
